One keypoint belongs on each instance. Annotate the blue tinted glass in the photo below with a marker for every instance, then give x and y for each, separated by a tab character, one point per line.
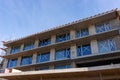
63	67
44	42
106	45
15	50
26	60
12	63
86	49
62	54
79	52
63	37
102	27
29	46
43	57
82	32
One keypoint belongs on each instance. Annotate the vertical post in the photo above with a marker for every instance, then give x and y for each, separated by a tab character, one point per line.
53	39
92	30
19	61
34	58
94	47
73	51
8	50
72	34
5	63
52	54
21	47
36	43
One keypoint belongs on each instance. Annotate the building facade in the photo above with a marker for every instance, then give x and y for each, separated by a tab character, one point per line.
86	48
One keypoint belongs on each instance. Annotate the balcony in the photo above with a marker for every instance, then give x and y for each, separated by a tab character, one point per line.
98	36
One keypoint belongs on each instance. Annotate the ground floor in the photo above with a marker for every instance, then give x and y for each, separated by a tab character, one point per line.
107	72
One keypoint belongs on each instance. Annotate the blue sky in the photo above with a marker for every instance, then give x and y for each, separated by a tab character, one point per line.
19	18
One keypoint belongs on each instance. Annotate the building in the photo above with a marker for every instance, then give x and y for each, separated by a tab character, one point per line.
87	49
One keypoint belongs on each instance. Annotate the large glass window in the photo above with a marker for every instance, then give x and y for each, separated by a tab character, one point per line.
63	66
62	54
44	42
15	50
84	50
12	63
26	60
102	27
82	32
63	37
28	46
106	45
43	57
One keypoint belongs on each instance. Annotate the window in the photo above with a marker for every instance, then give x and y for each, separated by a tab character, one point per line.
63	66
102	27
84	50
82	32
12	63
63	37
26	60
43	57
106	45
44	42
62	54
15	50
28	46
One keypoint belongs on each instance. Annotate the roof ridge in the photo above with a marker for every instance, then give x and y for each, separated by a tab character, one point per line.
67	24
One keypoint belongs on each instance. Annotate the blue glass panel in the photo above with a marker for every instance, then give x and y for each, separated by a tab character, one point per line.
62	54
63	37
82	32
44	42
106	45
86	49
26	60
79	52
15	50
29	46
12	63
43	57
102	27
63	67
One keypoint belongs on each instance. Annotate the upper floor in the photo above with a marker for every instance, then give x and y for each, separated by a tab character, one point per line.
92	36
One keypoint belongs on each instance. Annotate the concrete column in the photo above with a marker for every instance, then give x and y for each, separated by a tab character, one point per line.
21	47
36	43
117	42
73	65
94	47
115	23
34	58
53	39
73	49
72	34
5	63
92	30
52	54
19	61
8	50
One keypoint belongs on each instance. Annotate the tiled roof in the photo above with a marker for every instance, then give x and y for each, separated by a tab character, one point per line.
71	23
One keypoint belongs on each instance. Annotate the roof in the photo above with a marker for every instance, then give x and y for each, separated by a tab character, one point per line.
58	27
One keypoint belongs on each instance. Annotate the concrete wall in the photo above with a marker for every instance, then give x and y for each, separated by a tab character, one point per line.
114	23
